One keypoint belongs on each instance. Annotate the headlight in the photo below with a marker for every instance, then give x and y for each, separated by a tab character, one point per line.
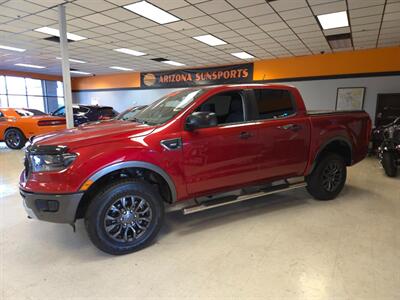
52	162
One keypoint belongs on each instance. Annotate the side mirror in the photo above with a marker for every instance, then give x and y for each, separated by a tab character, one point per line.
200	119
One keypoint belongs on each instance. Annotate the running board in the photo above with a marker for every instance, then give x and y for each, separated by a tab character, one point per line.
222	202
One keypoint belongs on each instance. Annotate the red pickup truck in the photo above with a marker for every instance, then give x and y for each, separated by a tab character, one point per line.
211	145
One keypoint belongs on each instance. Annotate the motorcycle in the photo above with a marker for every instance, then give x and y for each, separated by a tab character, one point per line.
389	150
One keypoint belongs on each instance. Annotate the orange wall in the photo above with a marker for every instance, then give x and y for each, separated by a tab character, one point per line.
112	81
30	75
352	62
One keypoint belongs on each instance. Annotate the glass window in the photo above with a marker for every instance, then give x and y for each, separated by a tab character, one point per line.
273	103
34	87
3	89
60	112
17	101
3	101
36	102
60	89
167	107
29	112
15	85
227	106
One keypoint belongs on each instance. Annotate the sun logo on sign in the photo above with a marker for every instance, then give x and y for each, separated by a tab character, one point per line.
149	79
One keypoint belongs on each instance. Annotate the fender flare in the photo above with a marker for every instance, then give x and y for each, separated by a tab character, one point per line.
324	145
136	164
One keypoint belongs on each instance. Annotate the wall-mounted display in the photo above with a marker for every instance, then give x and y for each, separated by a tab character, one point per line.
350	98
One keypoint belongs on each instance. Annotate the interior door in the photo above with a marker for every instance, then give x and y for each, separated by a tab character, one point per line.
387	109
225	155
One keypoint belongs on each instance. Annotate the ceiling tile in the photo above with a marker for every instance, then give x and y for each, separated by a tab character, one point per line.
170	4
100	19
100	5
227	16
331	7
214	6
257	10
283	5
187	12
274	26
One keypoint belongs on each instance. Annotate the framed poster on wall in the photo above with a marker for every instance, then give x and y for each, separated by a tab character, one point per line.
350	98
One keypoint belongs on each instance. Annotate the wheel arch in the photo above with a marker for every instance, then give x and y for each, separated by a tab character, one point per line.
338	145
128	169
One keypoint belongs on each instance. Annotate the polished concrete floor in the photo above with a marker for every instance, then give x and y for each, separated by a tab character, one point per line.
286	246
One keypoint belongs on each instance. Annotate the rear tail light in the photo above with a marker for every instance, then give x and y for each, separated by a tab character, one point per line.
51	122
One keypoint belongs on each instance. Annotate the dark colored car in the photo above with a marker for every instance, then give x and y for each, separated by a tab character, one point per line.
208	146
88	113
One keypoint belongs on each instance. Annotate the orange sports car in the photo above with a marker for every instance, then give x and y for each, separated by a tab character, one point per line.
18	125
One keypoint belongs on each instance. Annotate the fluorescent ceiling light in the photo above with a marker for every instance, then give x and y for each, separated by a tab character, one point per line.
333	20
210	40
151	12
30	66
80	72
173	63
243	55
130	52
56	32
12	48
74	60
121	68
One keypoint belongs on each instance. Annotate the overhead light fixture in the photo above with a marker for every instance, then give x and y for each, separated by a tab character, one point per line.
333	20
243	55
149	11
130	52
173	63
210	40
12	48
30	66
121	68
74	60
80	72
56	32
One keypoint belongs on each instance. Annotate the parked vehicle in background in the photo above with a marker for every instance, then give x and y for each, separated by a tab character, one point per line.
88	113
214	145
389	150
128	114
17	125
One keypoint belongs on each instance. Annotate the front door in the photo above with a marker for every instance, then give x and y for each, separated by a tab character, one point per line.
225	155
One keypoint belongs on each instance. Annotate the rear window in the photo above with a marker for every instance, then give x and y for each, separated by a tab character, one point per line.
274	103
29	112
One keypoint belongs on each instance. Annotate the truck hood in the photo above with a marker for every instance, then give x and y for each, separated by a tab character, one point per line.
94	134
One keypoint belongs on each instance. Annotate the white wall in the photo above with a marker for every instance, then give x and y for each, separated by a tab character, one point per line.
317	94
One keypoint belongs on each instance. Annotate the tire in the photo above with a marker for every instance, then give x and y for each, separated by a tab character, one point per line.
124	232
14	138
389	164
328	178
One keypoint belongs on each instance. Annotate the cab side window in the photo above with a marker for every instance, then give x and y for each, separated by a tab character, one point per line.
1	115
227	106
274	103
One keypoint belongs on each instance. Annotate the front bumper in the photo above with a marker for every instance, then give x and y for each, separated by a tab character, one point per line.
51	207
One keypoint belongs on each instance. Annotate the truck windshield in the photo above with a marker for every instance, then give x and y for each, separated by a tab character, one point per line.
167	107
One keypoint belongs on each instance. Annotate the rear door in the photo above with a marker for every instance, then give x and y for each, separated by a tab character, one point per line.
284	134
225	155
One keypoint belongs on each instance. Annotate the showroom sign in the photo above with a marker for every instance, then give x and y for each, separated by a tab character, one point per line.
193	77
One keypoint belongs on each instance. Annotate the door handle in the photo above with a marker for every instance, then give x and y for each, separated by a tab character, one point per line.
245	135
292	127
